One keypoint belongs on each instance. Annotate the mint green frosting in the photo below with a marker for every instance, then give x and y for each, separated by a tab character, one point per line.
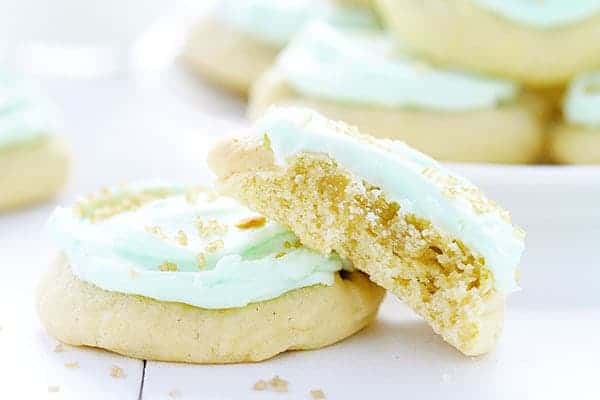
277	21
582	103
24	113
123	254
407	177
542	13
362	67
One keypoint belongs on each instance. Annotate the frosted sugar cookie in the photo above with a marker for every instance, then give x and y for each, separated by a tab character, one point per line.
33	161
538	43
205	279
360	77
239	40
428	236
577	139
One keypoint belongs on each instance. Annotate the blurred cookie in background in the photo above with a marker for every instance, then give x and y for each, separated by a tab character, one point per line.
537	43
576	139
363	78
238	40
34	162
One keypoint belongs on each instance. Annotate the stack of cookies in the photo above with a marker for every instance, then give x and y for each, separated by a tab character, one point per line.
462	80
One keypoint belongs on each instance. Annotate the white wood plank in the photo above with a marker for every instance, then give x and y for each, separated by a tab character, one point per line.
543	354
30	368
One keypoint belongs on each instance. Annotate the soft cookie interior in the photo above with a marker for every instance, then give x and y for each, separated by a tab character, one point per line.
331	209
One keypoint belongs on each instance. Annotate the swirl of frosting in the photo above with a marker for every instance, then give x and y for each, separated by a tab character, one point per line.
25	114
582	103
277	21
542	14
195	248
362	67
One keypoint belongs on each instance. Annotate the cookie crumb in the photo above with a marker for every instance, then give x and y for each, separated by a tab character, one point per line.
182	238
201	260
278	384
53	388
116	372
72	364
251	222
59	348
214	246
168	267
210	228
317	394
174	394
260	385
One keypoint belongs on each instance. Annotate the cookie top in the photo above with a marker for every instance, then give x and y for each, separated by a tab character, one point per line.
542	14
25	114
420	185
366	67
582	103
277	21
190	246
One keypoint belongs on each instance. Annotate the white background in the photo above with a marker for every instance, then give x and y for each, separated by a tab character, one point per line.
125	121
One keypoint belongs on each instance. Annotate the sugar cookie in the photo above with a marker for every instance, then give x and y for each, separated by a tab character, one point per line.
428	236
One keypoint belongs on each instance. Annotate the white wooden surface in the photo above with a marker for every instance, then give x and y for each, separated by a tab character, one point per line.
122	131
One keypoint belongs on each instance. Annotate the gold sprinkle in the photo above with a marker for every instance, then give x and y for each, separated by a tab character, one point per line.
210	228
214	246
280	254
72	364
182	238
517	275
59	348
592	88
292	245
116	372
278	384
251	222
201	260
260	385
168	267
53	388
266	141
155	230
191	195
317	394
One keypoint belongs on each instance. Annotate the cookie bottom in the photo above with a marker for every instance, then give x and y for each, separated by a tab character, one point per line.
508	134
227	57
572	144
478	40
32	172
81	314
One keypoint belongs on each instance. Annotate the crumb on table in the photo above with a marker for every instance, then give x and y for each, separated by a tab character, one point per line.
72	364
276	384
53	388
116	371
317	394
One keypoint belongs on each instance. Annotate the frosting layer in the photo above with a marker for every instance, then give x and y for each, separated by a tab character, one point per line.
277	21
362	67
582	103
418	183
24	113
542	13
198	249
